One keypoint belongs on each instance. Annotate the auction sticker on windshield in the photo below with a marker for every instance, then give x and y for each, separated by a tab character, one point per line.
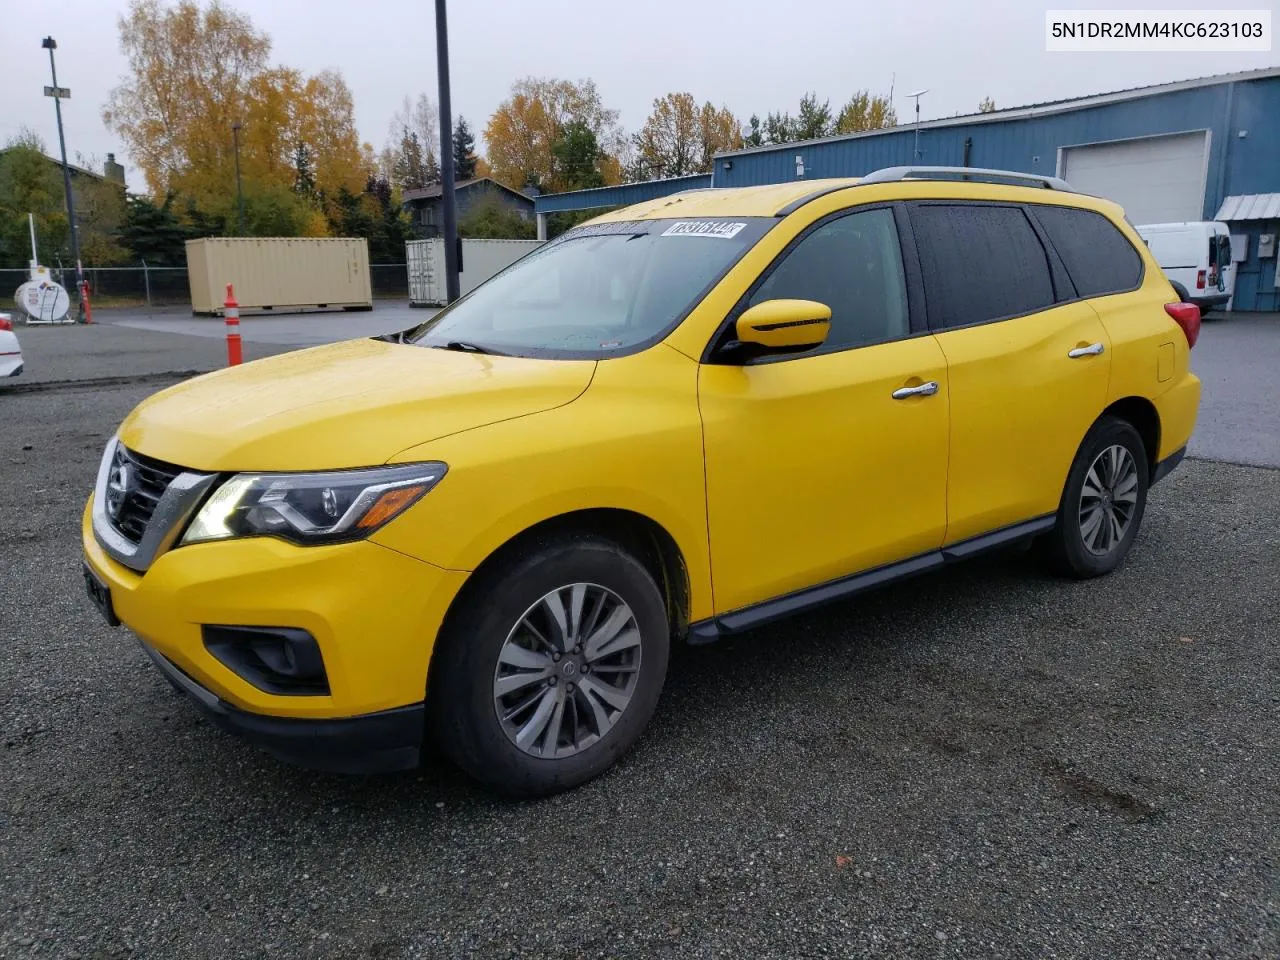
704	228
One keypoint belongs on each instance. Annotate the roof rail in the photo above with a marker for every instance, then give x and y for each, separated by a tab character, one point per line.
981	174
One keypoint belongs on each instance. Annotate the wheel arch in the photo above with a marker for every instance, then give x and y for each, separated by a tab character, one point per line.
641	536
1141	414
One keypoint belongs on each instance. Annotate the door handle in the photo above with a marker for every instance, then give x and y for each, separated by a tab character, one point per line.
1092	350
923	390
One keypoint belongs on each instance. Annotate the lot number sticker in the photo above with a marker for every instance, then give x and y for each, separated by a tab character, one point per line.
704	228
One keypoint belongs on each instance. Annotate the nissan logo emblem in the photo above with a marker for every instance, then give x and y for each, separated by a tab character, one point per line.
119	484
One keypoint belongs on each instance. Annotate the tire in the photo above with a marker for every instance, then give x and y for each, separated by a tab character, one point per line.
504	632
1076	547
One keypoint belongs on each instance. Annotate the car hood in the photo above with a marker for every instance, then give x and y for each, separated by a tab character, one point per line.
348	404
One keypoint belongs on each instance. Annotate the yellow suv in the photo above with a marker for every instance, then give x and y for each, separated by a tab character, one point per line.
679	420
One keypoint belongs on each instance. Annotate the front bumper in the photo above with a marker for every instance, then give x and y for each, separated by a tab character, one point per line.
373	612
373	743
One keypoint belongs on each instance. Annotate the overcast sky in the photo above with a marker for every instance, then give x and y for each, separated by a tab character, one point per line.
751	55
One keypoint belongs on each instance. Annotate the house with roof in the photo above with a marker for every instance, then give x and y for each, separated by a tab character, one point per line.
424	204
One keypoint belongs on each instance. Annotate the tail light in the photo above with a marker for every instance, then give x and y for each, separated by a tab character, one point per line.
1199	279
5	323
1187	316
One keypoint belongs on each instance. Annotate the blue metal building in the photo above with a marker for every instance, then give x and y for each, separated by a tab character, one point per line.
1190	150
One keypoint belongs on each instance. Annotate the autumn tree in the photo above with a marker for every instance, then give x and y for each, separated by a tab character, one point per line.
865	112
720	132
194	72
680	138
986	105
464	151
522	133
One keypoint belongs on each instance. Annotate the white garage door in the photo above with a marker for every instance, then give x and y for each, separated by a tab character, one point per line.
1155	179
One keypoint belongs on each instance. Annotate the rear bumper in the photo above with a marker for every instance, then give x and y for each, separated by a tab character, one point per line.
372	743
1167	465
1211	302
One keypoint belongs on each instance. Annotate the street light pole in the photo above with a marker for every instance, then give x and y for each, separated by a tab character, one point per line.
235	134
448	198
918	94
57	93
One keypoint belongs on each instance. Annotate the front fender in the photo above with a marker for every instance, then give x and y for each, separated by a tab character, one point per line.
632	441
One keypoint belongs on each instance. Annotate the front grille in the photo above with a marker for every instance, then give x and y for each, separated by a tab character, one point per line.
145	481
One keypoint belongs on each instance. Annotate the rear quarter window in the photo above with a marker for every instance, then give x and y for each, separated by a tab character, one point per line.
1099	258
980	263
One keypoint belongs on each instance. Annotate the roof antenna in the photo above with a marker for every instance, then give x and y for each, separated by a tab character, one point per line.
892	78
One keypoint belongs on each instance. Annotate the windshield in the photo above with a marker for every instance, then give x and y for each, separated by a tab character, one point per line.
596	290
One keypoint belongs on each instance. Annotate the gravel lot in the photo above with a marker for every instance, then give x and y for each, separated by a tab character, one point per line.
982	763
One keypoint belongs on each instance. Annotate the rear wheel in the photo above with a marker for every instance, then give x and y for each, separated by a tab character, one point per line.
1103	503
551	668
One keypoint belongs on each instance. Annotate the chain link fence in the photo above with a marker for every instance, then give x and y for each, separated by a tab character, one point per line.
159	286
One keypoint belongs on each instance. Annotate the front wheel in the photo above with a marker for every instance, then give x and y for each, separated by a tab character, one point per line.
1103	503
551	668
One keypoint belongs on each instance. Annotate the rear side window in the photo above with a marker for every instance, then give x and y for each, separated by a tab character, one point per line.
979	263
1099	257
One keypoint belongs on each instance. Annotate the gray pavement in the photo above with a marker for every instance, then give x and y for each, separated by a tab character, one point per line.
984	763
1238	361
128	344
292	329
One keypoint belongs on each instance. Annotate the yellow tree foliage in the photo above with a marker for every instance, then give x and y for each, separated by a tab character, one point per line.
720	131
193	73
189	77
523	131
865	112
680	138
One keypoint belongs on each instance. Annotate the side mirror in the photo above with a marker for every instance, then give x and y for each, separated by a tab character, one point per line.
783	324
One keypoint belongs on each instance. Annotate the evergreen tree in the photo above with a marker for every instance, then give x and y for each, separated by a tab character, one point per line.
815	118
304	167
464	151
153	233
411	171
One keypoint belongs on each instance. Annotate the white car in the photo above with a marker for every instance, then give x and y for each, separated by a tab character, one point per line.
10	351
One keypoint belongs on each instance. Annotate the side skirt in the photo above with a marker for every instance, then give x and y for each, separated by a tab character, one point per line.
810	598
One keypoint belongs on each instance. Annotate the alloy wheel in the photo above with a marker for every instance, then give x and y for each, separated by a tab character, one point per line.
1108	499
567	670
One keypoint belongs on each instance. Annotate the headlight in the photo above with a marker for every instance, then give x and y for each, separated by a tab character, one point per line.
312	507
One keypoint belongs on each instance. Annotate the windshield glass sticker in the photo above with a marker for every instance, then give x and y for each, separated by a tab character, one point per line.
704	228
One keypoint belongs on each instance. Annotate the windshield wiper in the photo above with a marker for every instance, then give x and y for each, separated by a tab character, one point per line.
466	346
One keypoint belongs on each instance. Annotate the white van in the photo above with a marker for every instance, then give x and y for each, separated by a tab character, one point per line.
1196	255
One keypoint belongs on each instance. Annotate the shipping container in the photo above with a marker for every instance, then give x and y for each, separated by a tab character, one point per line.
481	259
279	273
